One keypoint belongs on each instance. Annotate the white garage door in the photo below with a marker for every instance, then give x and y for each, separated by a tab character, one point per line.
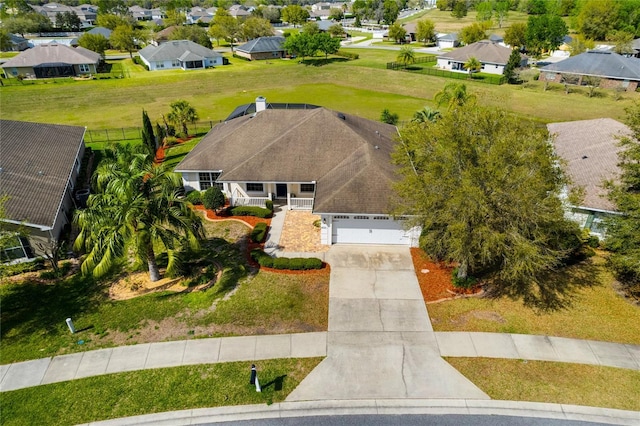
369	230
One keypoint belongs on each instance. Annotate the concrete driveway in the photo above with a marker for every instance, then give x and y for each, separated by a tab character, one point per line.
380	342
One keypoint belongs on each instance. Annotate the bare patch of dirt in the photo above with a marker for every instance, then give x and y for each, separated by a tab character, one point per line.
138	283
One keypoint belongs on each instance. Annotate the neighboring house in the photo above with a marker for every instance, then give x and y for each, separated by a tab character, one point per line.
614	71
635	46
492	56
184	54
52	60
87	13
17	43
140	13
239	11
262	48
412	29
163	35
447	41
39	166
336	165
105	32
590	149
199	14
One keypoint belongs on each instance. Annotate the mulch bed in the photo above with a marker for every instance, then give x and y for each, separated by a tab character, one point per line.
435	279
249	220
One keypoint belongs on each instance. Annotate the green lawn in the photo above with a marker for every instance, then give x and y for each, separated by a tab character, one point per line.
555	382
152	391
446	23
597	312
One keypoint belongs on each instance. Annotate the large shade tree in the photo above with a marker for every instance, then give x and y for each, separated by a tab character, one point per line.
485	185
135	211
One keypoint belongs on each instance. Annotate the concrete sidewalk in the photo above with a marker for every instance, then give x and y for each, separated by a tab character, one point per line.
381	407
160	355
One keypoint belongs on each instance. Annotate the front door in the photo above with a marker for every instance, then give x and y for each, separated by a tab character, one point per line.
281	190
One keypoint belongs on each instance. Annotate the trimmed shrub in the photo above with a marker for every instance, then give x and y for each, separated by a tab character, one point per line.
462	282
347	55
213	198
259	232
251	211
194	197
313	263
269	205
281	263
296	263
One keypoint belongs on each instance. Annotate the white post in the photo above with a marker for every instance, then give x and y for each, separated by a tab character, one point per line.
72	329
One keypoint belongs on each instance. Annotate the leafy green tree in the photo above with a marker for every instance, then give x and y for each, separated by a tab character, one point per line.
148	138
310	28
112	7
294	14
454	95
112	21
501	11
182	113
426	115
135	210
579	44
336	14
623	42
545	33
5	40
124	38
302	44
460	9
390	11
95	42
596	18
484	11
389	117
425	31
515	59
473	33
472	65
224	26
191	32
256	27
271	13
516	35
536	7
68	21
327	44
336	30
174	17
27	23
397	32
407	56
623	231
484	185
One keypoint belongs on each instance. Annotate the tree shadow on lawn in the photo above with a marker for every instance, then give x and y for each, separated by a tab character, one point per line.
318	62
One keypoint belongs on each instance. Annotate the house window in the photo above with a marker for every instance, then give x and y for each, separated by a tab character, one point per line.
209	179
255	187
14	249
175	63
307	187
83	68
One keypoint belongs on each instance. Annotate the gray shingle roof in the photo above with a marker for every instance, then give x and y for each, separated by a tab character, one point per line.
590	149
598	63
484	51
176	49
350	158
105	32
262	44
53	53
36	161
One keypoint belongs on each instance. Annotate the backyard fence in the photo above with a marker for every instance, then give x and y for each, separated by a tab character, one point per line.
116	71
418	60
106	136
430	70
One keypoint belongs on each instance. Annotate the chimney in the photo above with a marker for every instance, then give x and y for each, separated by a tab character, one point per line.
261	104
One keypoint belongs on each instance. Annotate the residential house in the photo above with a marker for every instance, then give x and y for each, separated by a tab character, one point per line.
87	13
199	15
262	48
447	41
39	167
336	165
635	46
163	35
17	43
590	149
140	13
52	60
239	12
607	68
492	56
412	29
184	54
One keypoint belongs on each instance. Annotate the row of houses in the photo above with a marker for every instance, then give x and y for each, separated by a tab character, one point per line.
335	165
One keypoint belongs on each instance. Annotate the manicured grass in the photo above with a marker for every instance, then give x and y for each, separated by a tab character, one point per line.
176	153
597	312
446	23
152	391
554	382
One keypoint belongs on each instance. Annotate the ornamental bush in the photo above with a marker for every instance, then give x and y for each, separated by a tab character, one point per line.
259	232
194	197
296	263
251	211
213	198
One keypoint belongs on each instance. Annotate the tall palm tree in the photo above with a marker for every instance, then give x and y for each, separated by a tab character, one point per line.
472	64
407	56
453	95
426	115
182	113
135	210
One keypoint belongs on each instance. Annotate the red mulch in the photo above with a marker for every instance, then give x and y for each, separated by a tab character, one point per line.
249	220
435	284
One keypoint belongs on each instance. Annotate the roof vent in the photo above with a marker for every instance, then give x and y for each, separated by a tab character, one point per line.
342	116
261	103
584	157
376	147
40	173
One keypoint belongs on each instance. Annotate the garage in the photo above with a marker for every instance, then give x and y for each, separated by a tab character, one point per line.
362	229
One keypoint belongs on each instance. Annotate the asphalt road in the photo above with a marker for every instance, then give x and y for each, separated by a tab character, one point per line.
409	420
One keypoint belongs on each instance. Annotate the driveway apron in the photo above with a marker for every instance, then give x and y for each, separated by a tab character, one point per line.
380	342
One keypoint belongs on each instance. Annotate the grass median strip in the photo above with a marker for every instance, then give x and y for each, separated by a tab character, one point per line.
153	391
553	382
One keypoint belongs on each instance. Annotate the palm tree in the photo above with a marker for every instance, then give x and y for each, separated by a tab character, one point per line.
453	95
406	56
135	210
472	64
182	113
426	115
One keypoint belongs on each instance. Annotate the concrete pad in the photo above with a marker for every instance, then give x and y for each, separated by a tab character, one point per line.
128	358
62	368
534	347
24	374
354	315
613	355
634	350
3	370
454	343
597	414
201	351
165	354
404	315
274	346
397	285
237	349
573	350
305	345
494	345
349	284
370	257
94	363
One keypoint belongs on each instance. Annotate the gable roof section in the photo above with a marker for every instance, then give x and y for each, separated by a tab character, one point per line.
590	149
53	53
36	161
598	63
349	159
263	44
105	32
177	49
485	51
